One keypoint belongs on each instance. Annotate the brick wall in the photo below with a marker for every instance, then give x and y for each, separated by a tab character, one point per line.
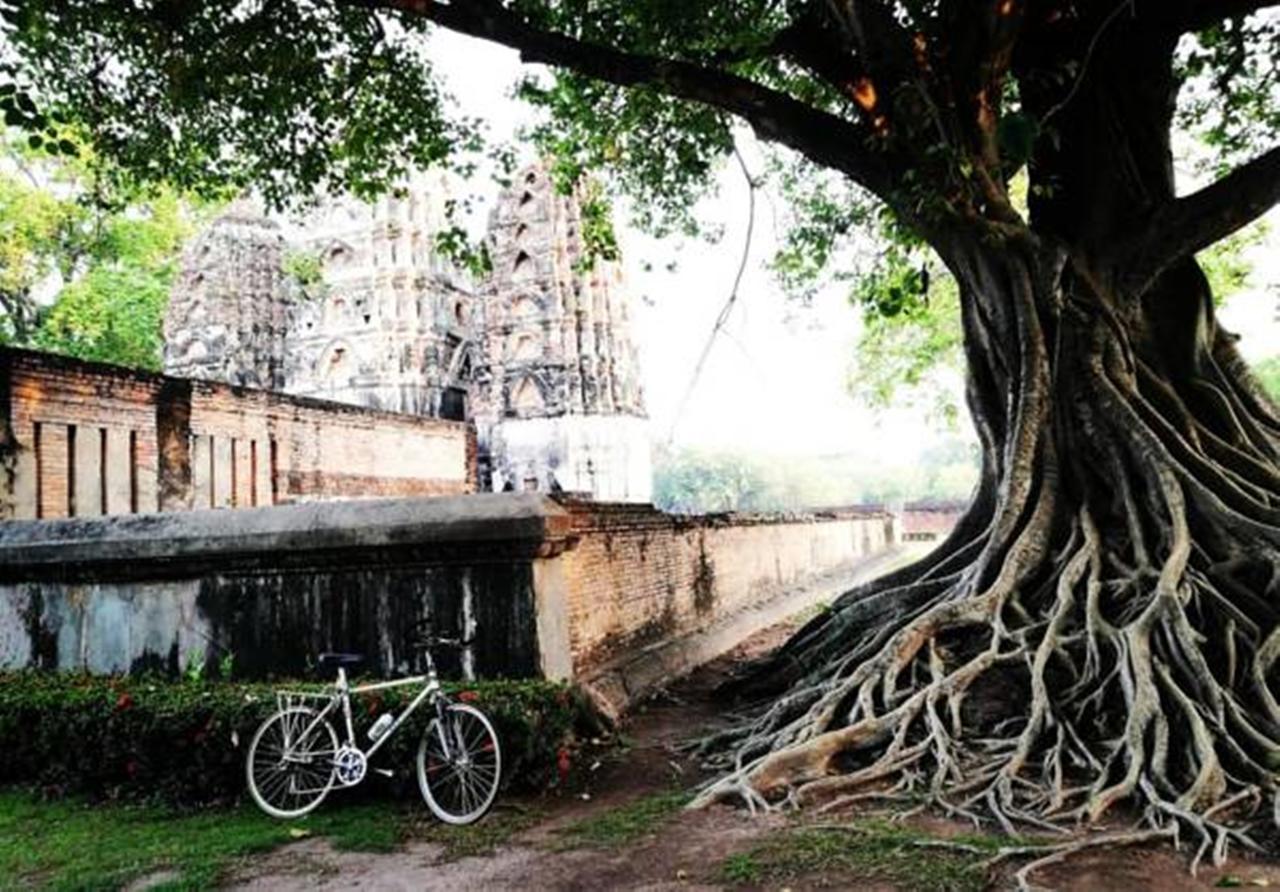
606	595
636	575
84	439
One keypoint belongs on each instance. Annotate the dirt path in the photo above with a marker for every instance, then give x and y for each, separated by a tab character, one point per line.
625	831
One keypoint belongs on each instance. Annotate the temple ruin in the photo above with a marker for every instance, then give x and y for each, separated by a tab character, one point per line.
538	356
324	408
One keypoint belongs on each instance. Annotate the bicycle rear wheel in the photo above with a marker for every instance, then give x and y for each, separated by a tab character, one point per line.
289	765
459	765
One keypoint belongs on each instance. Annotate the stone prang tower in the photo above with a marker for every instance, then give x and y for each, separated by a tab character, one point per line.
389	326
228	310
559	406
538	357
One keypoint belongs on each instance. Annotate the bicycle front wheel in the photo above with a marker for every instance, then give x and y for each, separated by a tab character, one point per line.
459	765
289	765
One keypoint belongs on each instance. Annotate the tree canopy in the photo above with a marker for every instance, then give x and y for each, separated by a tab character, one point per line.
1103	624
83	274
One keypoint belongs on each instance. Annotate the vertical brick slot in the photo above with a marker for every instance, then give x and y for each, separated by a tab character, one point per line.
38	429
235	477
253	473
213	471
275	471
71	470
133	472
102	470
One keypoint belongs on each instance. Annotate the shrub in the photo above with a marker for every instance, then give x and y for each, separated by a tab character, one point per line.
184	741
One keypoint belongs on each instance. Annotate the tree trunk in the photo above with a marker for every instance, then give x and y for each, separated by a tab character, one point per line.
1101	626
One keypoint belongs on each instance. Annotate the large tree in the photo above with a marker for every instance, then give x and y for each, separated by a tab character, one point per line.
1100	629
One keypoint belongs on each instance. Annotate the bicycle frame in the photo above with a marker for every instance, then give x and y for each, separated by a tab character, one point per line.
341	695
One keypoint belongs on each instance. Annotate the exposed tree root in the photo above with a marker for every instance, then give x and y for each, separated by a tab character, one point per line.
1099	630
1043	855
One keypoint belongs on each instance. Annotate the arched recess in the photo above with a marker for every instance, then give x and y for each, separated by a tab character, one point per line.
462	368
336	311
337	254
524	347
523	268
337	362
524	307
527	397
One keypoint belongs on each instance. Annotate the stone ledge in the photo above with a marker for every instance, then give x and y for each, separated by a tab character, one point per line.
351	532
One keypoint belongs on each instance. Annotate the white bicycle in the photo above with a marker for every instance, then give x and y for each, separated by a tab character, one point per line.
295	758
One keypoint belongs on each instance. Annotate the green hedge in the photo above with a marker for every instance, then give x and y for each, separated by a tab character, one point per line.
184	741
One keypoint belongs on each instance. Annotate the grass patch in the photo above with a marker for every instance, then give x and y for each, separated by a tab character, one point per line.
626	823
874	850
70	845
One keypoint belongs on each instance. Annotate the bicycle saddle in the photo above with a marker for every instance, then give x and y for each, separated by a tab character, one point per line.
334	660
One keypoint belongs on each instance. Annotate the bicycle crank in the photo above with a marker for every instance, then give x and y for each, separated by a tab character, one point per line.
349	766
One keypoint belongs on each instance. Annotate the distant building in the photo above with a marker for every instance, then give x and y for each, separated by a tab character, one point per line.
538	356
927	521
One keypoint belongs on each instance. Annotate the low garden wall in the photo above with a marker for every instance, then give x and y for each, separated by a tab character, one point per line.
544	588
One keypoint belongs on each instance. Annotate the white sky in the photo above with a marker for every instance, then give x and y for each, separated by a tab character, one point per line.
776	384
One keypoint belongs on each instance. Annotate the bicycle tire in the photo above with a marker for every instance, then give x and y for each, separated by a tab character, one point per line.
461	789
275	789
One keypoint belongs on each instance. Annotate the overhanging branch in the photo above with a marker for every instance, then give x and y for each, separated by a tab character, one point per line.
1209	12
824	138
1193	223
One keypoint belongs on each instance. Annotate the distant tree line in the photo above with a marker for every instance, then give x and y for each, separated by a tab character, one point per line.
690	481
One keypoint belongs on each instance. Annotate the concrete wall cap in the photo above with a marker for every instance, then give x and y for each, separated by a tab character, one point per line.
315	526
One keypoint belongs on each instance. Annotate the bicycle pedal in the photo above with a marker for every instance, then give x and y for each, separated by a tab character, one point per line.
385	772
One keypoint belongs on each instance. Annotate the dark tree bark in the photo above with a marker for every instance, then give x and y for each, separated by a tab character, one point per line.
1101	625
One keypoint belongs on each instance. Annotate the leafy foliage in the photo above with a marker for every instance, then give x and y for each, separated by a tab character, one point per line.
1233	82
113	308
659	151
305	270
39	235
288	96
1268	372
183	741
913	357
1225	264
108	264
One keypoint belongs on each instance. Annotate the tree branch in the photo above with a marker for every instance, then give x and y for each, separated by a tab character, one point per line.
1204	13
824	138
1196	221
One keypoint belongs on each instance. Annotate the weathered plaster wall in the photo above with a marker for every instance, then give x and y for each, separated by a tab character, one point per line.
562	589
277	586
83	439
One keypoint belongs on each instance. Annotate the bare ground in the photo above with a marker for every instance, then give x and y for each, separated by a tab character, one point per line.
684	851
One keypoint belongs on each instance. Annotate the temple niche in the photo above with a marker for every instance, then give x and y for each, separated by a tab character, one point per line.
228	310
538	357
